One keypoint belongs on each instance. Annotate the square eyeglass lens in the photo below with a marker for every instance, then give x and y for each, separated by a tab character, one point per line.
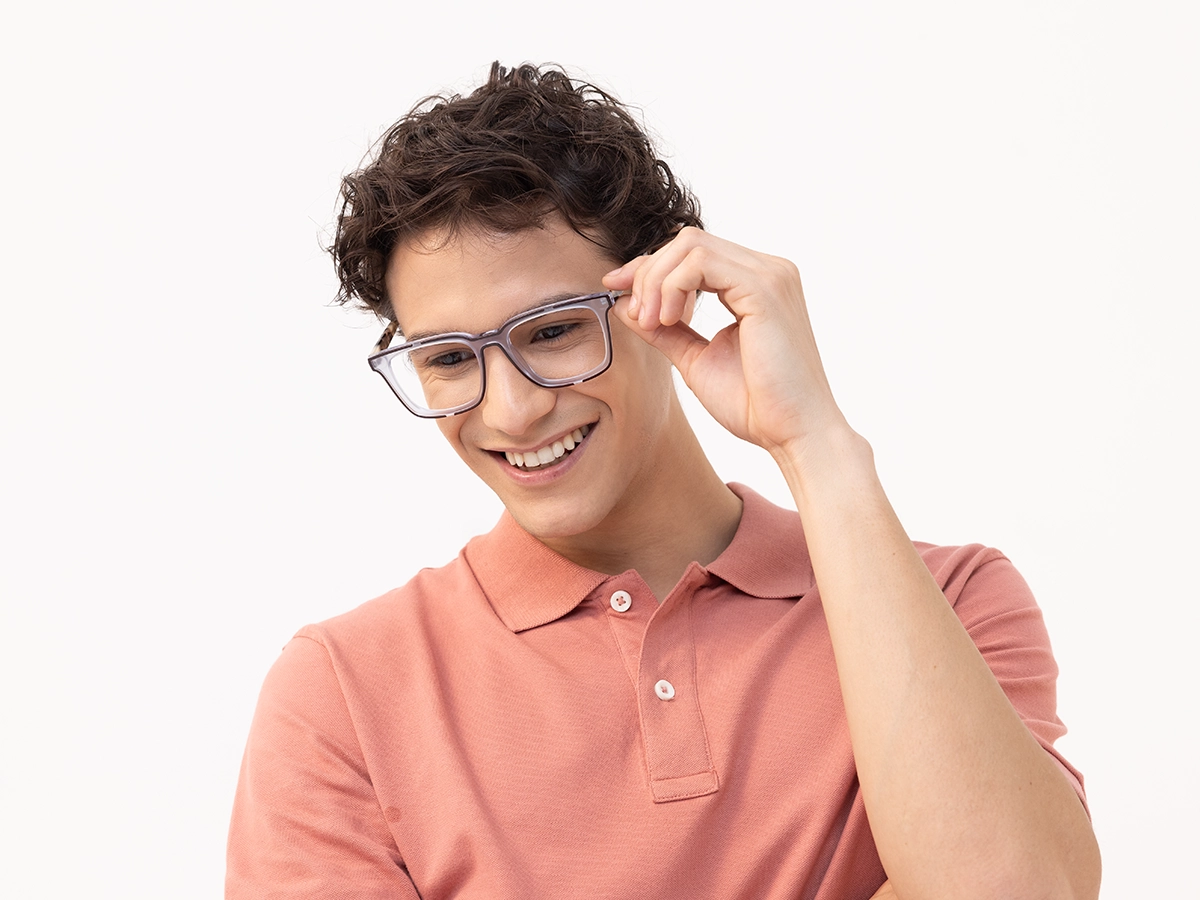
554	348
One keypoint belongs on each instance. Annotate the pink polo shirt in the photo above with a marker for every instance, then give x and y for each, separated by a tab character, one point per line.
513	725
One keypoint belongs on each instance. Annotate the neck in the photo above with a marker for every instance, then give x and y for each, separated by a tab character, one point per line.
678	513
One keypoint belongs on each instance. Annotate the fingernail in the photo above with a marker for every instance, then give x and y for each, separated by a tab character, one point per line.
633	307
614	272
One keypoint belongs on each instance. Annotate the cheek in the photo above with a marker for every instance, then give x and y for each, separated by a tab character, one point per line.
648	382
633	354
451	428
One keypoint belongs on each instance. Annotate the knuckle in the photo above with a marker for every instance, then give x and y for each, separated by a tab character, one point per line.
784	273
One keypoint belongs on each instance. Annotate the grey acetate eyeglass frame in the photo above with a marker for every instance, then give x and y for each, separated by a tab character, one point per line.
599	303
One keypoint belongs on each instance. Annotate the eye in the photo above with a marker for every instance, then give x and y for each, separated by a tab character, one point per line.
553	332
443	360
449	359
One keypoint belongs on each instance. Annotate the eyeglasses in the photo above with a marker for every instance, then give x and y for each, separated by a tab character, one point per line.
560	344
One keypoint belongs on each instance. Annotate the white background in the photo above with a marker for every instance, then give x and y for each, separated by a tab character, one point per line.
995	212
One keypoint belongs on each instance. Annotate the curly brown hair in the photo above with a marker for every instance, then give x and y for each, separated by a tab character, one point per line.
529	143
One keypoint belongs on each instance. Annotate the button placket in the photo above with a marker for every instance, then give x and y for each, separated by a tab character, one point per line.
626	619
673	731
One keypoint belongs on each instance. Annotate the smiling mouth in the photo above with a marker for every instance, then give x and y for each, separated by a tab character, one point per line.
549	455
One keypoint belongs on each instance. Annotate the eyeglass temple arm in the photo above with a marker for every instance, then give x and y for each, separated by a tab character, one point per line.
386	338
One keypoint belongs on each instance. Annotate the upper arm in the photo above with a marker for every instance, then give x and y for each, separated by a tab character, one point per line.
306	820
999	612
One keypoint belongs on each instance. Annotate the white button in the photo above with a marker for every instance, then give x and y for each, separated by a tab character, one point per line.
664	689
620	601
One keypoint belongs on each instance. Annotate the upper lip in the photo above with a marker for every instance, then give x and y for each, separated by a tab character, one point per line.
533	448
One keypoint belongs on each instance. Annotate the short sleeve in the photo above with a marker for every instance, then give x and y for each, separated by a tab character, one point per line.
999	612
306	820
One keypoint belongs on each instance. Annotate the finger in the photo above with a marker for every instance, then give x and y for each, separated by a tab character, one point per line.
678	292
678	342
702	269
647	284
693	261
621	278
689	307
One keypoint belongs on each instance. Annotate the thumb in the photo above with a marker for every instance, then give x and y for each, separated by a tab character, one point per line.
678	342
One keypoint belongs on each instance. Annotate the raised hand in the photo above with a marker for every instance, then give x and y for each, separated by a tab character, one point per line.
761	377
963	801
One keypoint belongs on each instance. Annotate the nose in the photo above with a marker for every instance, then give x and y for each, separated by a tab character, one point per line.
511	403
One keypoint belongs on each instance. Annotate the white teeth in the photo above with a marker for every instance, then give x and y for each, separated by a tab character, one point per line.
532	459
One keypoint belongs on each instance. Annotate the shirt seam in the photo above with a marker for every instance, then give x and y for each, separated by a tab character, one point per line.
357	740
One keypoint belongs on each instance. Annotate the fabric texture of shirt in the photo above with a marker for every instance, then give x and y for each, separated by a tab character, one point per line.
514	725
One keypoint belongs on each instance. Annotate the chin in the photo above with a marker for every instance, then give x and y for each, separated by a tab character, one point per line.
550	525
559	519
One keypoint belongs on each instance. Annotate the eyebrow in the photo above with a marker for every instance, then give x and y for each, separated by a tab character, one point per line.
554	298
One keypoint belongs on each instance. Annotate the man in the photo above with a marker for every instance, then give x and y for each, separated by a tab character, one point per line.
642	682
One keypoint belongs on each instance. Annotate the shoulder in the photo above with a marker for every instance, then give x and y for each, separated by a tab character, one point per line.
989	596
405	620
397	634
994	604
954	568
999	612
334	676
424	594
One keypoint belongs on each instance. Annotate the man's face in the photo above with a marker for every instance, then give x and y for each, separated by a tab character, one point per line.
476	282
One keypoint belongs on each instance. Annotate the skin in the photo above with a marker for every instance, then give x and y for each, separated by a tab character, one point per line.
962	800
639	492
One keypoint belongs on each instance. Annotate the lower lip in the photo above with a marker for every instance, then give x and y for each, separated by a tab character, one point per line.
551	473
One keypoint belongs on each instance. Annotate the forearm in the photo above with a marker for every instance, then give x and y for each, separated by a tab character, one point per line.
962	799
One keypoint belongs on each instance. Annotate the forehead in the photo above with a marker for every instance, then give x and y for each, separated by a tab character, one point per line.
476	280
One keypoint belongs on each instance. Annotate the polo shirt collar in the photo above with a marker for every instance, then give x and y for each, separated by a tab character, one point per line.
528	584
768	556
